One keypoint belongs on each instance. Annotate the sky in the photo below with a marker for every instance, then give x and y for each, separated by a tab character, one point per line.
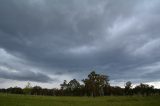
47	41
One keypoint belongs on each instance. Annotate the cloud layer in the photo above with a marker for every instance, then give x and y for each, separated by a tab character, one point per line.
43	40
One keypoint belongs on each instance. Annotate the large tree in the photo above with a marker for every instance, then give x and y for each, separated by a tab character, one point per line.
127	89
95	83
64	86
27	89
73	84
144	89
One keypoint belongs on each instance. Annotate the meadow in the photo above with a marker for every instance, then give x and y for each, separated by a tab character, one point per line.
28	100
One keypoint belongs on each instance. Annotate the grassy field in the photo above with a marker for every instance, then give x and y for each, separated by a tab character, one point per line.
22	100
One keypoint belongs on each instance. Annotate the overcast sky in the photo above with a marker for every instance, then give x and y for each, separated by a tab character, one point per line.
47	41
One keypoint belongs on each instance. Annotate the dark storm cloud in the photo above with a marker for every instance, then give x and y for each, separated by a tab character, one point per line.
115	37
10	73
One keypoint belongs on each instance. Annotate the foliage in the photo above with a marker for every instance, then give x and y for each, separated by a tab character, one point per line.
94	85
128	90
27	89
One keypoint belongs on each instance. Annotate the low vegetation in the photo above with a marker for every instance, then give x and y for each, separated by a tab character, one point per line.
30	100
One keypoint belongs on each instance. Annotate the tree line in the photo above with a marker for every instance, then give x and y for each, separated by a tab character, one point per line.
94	85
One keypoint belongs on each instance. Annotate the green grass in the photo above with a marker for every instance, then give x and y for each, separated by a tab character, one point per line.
22	100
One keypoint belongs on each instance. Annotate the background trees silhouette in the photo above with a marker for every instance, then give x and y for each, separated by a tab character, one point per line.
94	85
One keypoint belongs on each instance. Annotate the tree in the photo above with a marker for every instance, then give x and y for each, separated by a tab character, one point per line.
127	89
116	90
64	88
144	89
15	90
74	87
73	84
95	83
27	89
64	85
36	90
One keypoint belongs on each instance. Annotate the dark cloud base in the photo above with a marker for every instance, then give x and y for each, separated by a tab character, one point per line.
119	38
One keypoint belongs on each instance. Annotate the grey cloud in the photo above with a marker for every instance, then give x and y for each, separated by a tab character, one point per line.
9	73
110	36
152	76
